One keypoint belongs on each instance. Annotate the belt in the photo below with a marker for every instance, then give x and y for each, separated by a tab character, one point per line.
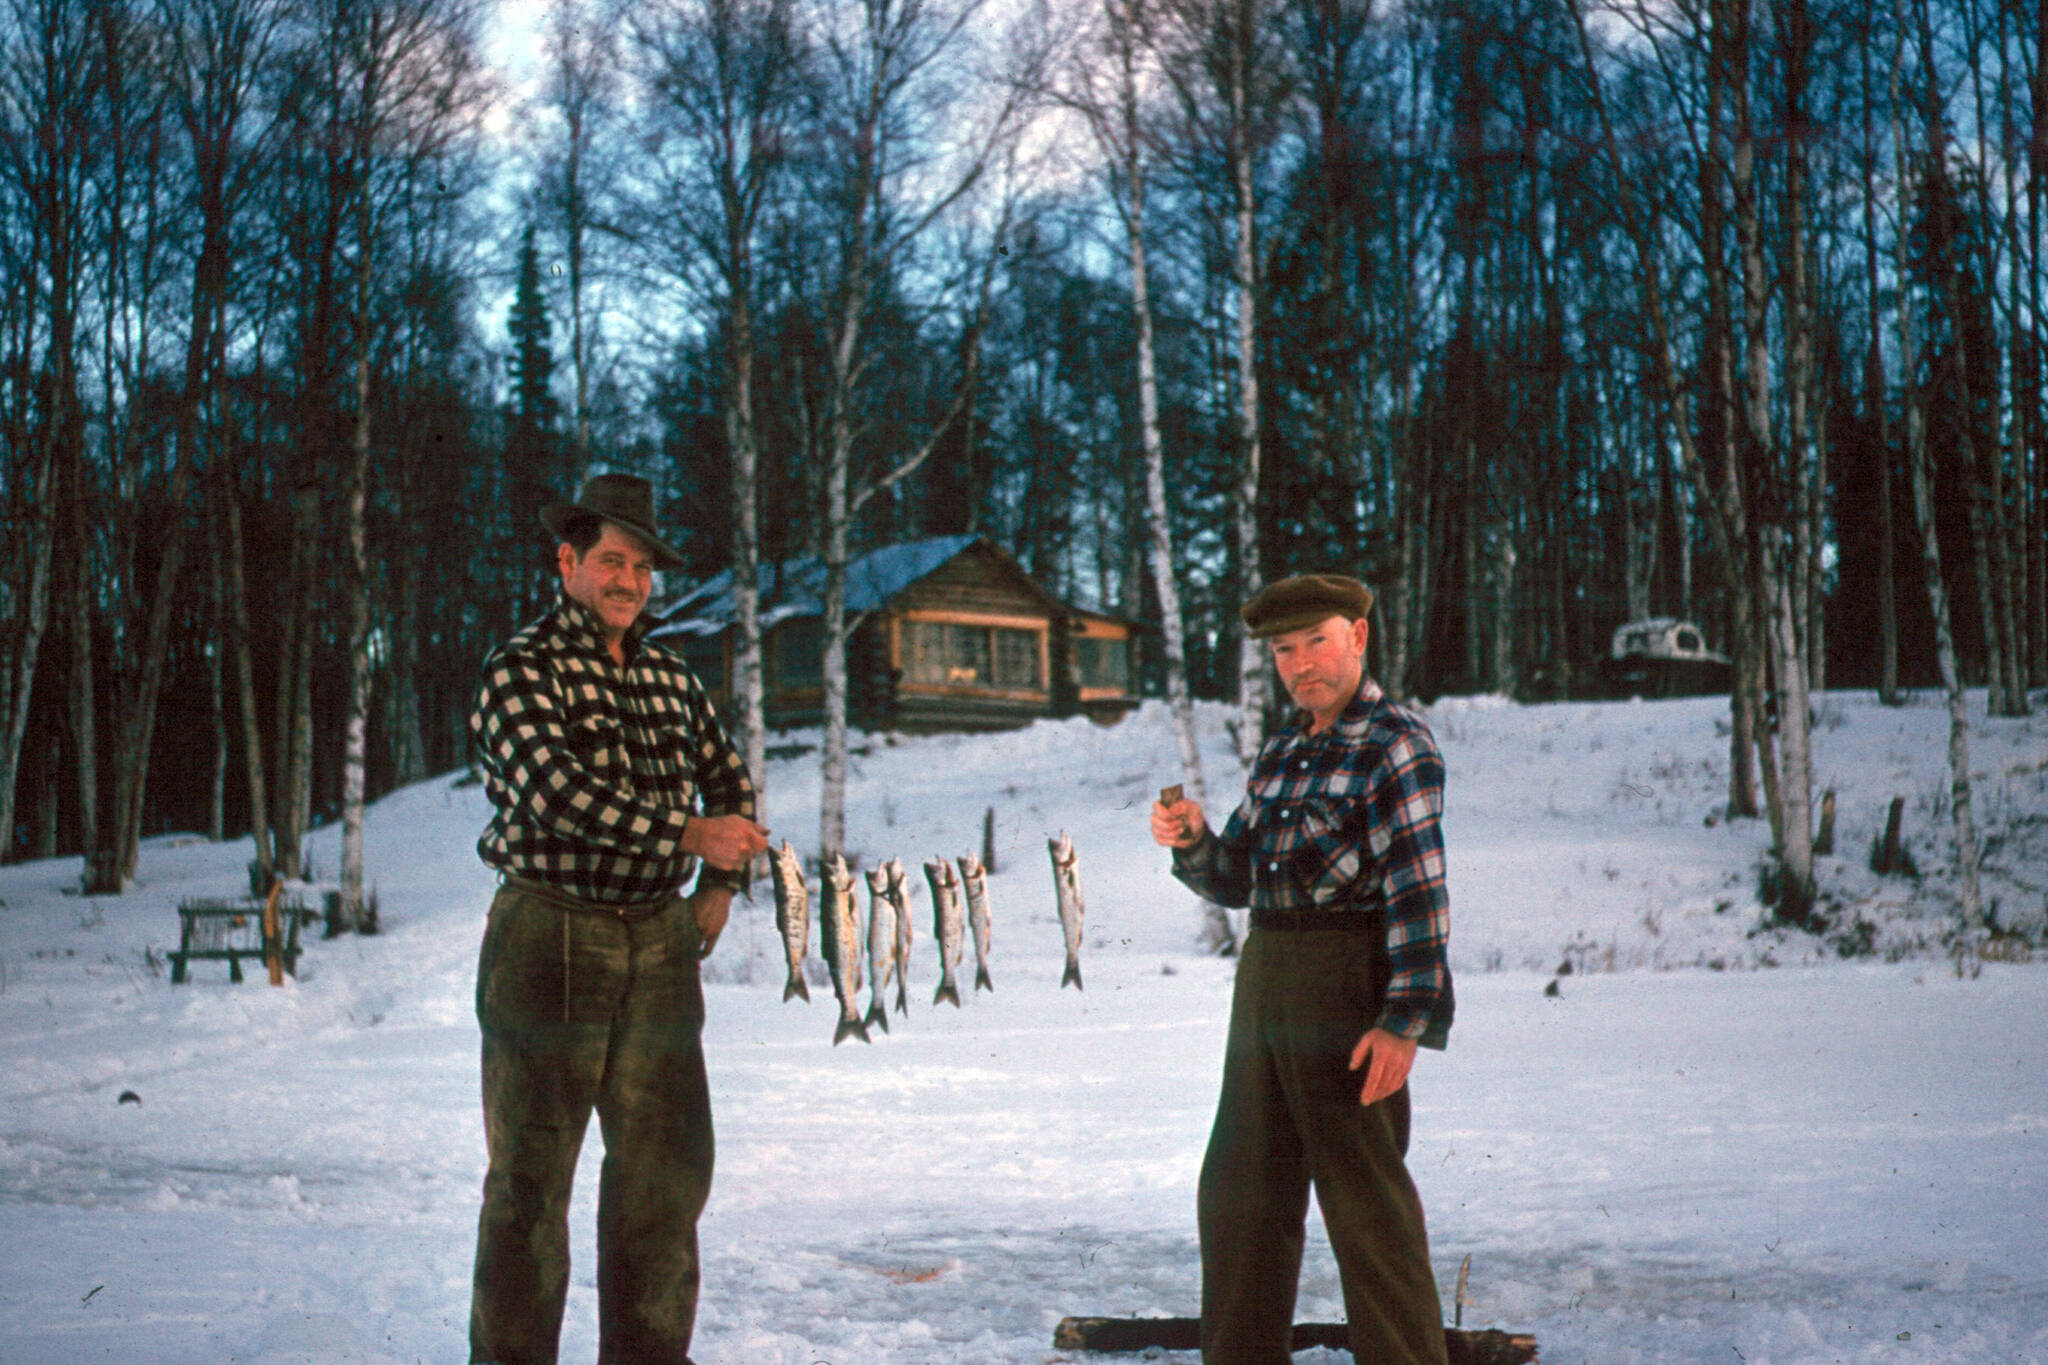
630	912
1353	920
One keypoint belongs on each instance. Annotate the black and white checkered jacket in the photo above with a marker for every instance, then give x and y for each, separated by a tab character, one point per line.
594	768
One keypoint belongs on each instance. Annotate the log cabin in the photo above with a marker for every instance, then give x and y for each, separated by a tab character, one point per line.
947	633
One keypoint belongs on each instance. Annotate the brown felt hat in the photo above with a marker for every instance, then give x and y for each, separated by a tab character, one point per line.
622	499
1304	600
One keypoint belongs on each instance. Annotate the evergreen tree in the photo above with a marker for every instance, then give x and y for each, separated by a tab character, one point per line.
533	448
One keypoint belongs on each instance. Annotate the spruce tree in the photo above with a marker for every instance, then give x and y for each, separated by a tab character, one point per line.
533	449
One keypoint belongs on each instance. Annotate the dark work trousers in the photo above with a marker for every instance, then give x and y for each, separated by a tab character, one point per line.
582	1010
1289	1118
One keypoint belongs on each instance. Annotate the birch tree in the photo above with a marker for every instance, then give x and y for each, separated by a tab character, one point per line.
1963	825
1750	547
413	68
1104	84
728	76
1229	72
882	192
577	179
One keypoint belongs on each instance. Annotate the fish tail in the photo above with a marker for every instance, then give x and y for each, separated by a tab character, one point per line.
947	991
1073	973
878	1015
981	981
795	988
850	1028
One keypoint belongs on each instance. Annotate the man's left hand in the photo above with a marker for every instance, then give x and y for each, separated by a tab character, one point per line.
1391	1056
709	906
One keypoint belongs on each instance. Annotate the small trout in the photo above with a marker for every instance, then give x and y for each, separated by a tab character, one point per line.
792	916
881	947
899	898
839	939
974	883
948	927
1066	882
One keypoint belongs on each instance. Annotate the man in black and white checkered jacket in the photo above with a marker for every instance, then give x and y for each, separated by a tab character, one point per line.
610	780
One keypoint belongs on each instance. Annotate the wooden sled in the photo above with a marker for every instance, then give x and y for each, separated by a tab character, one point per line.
1184	1334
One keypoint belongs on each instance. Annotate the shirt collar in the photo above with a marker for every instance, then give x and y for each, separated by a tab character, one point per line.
584	630
1351	723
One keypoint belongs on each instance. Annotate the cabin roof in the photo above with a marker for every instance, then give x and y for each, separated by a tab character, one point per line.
796	587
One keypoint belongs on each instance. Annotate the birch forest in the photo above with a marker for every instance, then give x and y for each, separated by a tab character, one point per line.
1538	315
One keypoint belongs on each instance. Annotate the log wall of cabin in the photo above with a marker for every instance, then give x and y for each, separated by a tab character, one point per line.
975	587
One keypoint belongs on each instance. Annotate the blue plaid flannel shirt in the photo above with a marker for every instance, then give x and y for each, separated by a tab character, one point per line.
1339	821
594	769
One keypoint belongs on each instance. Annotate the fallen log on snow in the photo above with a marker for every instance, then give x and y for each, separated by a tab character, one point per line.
1184	1334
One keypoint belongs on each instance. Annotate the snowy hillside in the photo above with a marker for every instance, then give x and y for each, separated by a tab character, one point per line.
1716	1142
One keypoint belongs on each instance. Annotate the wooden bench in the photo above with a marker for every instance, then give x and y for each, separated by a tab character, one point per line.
230	929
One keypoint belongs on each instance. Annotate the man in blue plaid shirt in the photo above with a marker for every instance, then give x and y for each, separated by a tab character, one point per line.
1338	851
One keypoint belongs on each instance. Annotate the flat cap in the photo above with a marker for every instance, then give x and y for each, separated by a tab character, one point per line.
1304	600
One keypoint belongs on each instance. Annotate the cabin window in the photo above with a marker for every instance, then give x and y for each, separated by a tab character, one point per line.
1016	654
1104	662
953	654
1689	641
798	652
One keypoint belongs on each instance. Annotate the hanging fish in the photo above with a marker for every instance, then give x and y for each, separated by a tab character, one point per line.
882	961
974	884
947	926
792	916
839	939
899	899
1066	881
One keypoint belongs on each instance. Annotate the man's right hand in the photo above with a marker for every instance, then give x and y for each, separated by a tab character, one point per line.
727	842
1180	825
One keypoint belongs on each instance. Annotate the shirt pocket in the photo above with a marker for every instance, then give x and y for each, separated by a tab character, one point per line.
1335	850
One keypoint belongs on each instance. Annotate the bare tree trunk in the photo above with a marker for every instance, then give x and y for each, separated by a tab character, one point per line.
216	690
2034	513
1795	779
1252	666
751	686
838	514
1756	447
235	640
85	747
1728	519
295	686
1121	135
1406	603
1877	425
408	740
50	51
1960	810
348	911
1503	575
1887	536
1788	558
2010	513
23	637
878	66
1158	516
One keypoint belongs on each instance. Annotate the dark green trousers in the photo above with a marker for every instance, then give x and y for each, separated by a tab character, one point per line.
582	1011
1288	1119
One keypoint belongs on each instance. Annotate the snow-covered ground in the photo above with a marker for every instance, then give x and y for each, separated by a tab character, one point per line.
1713	1144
